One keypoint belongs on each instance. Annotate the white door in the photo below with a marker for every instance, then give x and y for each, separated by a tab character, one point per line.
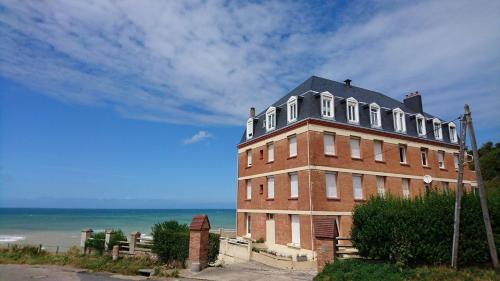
270	234
295	230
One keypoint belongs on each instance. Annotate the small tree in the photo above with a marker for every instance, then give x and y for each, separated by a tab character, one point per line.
171	242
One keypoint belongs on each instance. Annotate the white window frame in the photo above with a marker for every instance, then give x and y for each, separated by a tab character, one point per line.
378	118
249	128
292	146
270	187
249	158
327	105
378	156
355	191
331	190
352	102
353	151
399	119
404	154
422	132
248	189
327	149
292	109
424	152
453	135
294	185
405	186
441	158
295	230
438	130
381	186
271	119
270	152
455	160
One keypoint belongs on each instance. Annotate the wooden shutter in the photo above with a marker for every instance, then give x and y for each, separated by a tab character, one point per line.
355	153
294	186
270	187
295	229
357	187
377	147
331	185
329	144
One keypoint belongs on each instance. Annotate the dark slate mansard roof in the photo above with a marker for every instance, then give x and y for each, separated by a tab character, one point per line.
309	107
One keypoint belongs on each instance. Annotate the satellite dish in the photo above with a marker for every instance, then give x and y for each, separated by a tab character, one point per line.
427	179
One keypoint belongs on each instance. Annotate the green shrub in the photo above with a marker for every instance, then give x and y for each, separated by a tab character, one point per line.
420	230
171	242
97	241
213	247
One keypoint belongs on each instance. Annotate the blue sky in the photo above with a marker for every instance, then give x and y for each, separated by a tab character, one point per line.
115	104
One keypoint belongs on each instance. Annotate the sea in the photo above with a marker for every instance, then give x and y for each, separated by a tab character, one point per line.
59	229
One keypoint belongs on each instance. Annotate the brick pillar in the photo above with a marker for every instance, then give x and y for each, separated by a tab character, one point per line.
325	233
325	251
83	239
198	243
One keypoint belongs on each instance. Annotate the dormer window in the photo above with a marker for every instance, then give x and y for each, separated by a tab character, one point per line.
327	105
453	132
292	109
271	119
375	120
438	132
420	125
399	120
352	111
249	128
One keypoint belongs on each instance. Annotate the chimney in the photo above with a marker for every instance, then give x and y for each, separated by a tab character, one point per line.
252	112
348	82
414	102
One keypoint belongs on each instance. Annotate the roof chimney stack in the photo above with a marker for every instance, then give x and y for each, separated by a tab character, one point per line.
414	102
348	82
252	112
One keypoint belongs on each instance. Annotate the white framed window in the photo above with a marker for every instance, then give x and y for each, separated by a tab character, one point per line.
294	186
453	132
270	187
355	150
381	186
402	154
270	152
357	186
292	146
399	120
295	219
377	150
327	108
249	128
329	143
455	161
352	110
406	188
249	190
271	118
375	118
438	131
445	186
420	119
249	224
249	158
424	154
441	159
292	109
331	185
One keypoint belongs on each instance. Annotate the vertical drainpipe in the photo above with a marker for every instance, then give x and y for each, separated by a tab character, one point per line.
310	190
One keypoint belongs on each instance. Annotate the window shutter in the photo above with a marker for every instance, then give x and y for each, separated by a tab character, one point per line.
270	152
357	187
381	185
355	153
406	188
270	187
294	186
295	229
377	146
331	185
329	144
293	145
249	189
249	158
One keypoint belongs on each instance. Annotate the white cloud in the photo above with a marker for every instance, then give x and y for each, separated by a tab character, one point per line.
201	135
207	62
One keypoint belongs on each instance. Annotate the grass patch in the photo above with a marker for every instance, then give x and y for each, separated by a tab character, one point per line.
32	255
352	270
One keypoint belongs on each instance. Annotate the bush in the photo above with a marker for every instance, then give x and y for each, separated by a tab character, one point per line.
171	242
213	247
98	239
420	230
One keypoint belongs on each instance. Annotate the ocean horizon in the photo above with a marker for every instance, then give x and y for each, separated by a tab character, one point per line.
61	227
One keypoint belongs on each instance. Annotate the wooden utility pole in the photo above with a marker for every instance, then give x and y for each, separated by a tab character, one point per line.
458	194
482	192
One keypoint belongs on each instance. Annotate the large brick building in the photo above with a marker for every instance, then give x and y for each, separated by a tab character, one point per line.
327	146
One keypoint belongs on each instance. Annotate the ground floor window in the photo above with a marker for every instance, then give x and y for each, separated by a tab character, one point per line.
295	229
249	224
